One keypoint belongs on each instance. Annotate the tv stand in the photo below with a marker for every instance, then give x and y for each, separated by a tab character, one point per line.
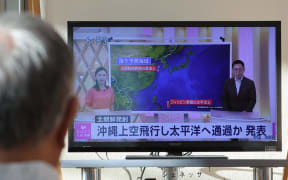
262	169
131	157
171	173
91	173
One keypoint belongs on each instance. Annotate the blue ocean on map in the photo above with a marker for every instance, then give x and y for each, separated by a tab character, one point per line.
202	78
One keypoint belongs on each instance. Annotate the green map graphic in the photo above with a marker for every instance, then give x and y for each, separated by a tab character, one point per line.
127	84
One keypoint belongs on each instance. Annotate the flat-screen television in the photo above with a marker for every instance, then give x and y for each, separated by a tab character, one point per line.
176	86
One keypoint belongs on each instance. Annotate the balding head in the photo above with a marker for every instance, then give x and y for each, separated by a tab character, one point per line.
36	80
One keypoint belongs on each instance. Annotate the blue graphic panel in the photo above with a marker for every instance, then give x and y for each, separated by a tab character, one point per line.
185	73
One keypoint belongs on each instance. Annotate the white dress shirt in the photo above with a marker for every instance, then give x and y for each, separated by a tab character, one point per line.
238	84
32	170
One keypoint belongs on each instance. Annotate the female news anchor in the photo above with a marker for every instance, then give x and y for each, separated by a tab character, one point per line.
100	97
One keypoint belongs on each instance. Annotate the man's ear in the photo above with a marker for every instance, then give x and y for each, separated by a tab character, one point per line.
67	120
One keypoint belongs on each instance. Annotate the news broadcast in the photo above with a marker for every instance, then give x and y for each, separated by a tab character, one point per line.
175	84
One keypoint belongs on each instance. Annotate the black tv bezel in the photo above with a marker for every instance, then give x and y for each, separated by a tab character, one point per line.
183	146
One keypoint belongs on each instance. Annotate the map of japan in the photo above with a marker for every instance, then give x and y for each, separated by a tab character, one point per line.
147	77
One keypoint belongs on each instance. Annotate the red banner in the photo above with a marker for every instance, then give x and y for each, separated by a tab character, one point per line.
190	102
138	68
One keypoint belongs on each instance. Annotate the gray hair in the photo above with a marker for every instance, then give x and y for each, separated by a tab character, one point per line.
36	79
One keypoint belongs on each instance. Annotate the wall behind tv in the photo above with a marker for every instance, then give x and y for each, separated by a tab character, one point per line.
59	12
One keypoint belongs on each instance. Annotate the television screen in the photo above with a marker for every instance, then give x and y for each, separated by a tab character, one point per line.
176	86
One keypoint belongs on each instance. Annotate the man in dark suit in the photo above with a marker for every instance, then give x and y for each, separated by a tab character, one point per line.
239	93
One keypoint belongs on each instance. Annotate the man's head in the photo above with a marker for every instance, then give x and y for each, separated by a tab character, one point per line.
238	69
37	103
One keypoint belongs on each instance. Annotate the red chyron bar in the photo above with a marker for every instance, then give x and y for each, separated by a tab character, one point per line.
190	102
138	68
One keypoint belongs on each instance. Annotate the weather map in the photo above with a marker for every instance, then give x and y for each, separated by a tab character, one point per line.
168	77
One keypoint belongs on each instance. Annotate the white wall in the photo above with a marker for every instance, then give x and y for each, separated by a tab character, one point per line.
57	12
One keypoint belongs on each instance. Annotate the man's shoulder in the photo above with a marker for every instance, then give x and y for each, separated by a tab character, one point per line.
28	171
248	81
